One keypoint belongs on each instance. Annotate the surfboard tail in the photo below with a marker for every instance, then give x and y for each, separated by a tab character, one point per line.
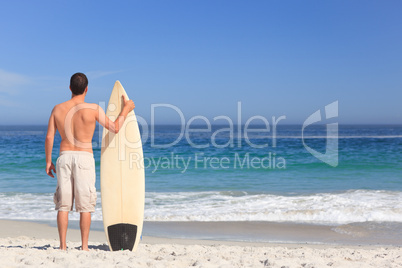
122	236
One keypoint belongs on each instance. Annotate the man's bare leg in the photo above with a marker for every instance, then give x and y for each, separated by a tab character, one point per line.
85	225
62	224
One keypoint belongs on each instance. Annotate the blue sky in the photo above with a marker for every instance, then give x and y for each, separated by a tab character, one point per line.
276	57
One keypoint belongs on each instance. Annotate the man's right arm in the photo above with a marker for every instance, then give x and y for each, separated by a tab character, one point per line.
118	123
51	131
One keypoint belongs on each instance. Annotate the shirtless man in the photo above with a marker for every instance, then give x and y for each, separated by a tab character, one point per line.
76	120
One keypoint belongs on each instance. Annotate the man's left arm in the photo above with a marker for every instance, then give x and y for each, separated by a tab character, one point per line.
51	131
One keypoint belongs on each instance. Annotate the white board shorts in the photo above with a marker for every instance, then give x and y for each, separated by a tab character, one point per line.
75	181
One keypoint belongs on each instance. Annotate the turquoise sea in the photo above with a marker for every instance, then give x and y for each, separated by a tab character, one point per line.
222	176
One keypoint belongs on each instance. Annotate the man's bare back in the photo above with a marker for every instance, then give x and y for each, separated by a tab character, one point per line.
76	122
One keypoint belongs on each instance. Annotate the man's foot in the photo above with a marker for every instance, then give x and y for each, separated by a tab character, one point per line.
63	248
85	248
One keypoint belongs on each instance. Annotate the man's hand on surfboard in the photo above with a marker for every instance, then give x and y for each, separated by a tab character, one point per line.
128	104
49	168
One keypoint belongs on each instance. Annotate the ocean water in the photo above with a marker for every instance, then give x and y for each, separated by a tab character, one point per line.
227	175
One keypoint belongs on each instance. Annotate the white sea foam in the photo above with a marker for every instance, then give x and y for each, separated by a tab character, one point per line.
30	206
329	208
325	208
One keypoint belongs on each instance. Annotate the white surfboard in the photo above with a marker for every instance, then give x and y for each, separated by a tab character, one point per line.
122	178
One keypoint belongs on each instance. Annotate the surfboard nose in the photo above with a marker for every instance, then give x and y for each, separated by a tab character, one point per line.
118	84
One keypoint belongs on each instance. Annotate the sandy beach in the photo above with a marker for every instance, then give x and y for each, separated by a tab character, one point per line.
34	244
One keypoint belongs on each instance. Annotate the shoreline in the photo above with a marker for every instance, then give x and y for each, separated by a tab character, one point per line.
32	243
228	233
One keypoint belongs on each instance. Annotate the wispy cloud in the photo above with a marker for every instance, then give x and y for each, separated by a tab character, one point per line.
8	103
99	74
10	81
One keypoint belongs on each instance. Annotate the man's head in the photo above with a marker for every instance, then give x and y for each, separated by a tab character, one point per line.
78	83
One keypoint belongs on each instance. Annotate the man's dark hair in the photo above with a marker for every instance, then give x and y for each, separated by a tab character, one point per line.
78	83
